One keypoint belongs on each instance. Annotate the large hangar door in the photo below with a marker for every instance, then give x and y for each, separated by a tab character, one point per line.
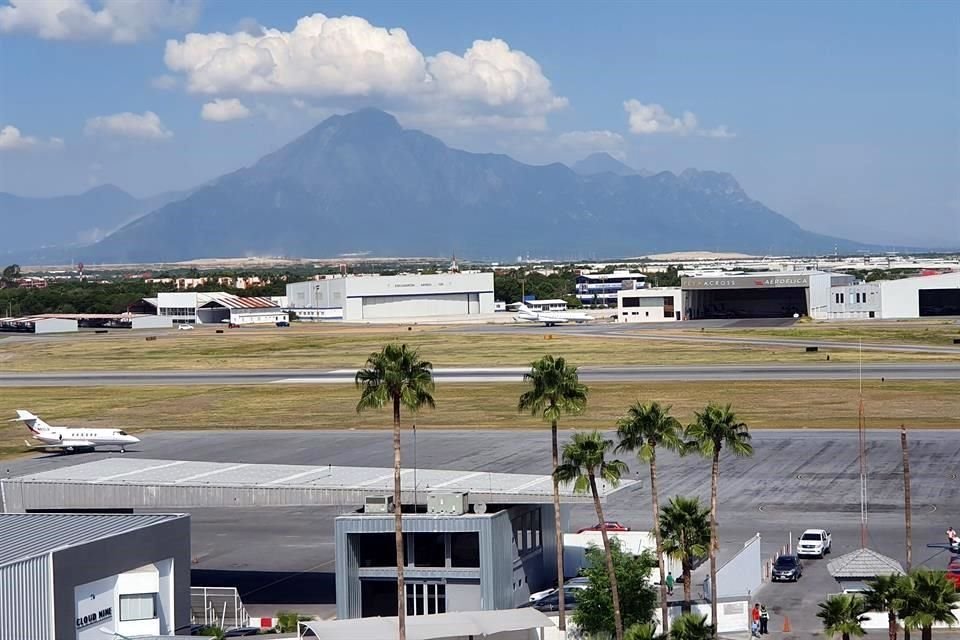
386	307
773	302
939	302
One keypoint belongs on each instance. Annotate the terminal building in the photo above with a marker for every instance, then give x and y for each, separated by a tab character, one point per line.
601	289
817	294
93	576
397	298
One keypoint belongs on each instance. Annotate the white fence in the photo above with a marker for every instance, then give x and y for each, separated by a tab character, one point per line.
217	607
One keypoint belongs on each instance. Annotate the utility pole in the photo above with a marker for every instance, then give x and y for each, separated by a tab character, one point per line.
906	494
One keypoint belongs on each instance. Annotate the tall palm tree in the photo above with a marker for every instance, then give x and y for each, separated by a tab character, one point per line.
842	616
714	428
685	531
554	390
930	598
641	431
887	593
396	375
690	626
584	458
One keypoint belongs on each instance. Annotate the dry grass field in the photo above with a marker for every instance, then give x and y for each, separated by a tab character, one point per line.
336	346
920	332
763	405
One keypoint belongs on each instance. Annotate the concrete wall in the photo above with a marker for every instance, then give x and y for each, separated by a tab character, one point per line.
651	305
55	325
107	558
151	322
844	304
742	575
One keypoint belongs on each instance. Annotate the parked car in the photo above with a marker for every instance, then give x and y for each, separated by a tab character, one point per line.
572	583
283	324
611	526
551	602
185	327
814	542
787	568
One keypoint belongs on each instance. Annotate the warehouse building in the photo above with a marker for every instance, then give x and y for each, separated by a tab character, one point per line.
817	294
385	298
217	307
86	576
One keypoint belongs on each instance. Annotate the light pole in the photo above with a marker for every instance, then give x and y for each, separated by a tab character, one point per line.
414	467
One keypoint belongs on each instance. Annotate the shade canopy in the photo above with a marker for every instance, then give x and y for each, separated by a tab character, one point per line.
478	624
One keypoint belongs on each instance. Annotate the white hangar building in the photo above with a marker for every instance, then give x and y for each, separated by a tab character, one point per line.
379	298
217	307
817	294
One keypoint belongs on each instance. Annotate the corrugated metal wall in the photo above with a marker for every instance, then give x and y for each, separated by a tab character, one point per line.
25	600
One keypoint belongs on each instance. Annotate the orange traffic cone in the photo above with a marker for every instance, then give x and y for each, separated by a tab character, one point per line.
786	625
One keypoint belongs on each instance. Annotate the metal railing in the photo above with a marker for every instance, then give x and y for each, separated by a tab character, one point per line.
217	607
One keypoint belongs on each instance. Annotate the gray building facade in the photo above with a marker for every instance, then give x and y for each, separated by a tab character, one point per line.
76	576
468	562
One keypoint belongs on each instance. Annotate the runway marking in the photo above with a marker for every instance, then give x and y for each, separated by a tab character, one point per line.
141	470
460	479
464	379
293	477
211	473
382	478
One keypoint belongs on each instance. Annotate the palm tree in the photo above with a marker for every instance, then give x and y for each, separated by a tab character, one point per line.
644	631
584	458
887	593
396	375
690	626
842	615
714	428
929	599
555	390
685	531
641	431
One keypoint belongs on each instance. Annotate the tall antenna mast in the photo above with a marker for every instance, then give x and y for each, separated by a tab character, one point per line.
862	428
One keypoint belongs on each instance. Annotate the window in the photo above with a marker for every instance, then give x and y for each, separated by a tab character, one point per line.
429	550
633	301
465	549
138	606
376	550
426	598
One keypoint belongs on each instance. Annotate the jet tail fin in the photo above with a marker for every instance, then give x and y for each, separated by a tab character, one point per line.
34	423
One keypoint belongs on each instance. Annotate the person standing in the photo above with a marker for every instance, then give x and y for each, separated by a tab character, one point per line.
670	583
764	620
755	621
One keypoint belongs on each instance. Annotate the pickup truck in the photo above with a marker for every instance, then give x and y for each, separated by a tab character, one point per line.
814	542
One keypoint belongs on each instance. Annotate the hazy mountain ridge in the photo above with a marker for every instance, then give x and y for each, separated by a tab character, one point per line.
360	182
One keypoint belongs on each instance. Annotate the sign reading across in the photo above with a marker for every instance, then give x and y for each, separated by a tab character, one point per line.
745	282
94	618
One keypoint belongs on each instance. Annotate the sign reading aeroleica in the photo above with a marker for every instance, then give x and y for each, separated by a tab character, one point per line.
745	282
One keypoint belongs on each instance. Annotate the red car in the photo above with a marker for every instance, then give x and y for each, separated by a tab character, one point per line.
953	572
611	526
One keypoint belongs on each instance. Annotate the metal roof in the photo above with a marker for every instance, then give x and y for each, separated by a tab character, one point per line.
27	535
236	302
475	624
863	563
177	484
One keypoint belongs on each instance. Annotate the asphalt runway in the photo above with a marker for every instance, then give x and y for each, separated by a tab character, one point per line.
797	479
819	371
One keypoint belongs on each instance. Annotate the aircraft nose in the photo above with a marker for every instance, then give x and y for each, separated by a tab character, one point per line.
134	439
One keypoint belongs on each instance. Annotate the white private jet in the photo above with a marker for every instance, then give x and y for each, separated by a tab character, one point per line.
550	318
72	439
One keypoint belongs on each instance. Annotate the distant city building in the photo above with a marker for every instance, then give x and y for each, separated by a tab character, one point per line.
32	283
602	288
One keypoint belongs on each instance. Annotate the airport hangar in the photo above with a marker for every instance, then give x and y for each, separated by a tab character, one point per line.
80	575
359	298
477	540
817	294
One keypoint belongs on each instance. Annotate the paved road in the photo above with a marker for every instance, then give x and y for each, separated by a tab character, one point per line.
819	371
797	479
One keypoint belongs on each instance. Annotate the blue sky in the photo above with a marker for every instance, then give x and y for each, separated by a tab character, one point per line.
843	116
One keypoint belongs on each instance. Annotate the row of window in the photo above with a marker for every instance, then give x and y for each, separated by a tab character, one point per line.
527	532
177	311
438	550
859	297
426	598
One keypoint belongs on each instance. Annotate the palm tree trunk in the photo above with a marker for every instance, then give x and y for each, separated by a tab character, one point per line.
614	591
561	601
892	625
714	541
906	496
664	607
398	524
926	633
687	572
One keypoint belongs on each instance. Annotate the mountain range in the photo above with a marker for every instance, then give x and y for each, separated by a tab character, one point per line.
362	183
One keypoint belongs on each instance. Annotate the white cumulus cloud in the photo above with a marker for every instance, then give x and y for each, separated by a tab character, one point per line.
164	82
645	119
130	125
12	139
334	60
224	110
120	21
